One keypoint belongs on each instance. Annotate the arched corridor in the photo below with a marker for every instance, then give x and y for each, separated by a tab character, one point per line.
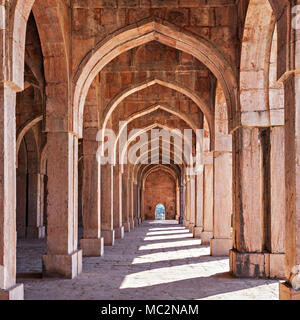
149	144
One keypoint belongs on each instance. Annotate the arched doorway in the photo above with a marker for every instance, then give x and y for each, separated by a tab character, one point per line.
160	212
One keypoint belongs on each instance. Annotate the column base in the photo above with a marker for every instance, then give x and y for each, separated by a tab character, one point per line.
92	247
66	266
197	232
257	265
205	237
140	220
109	237
131	224
220	247
191	228
14	293
35	232
287	293
127	227
119	233
186	223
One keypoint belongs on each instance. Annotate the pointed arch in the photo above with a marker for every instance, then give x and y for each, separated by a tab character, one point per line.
153	29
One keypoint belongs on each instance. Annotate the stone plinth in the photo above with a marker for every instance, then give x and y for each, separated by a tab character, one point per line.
67	266
109	237
287	293
14	293
197	232
126	226
136	222
119	233
92	247
220	247
191	228
205	237
36	232
131	222
256	265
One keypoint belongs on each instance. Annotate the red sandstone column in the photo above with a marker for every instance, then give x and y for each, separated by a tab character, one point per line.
117	206
247	258
125	212
142	203
134	203
208	201
187	202
8	288
35	228
63	257
199	204
92	243
221	242
277	199
292	186
21	203
129	201
177	201
192	200
107	214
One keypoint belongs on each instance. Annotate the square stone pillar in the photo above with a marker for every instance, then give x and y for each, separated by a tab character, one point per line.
35	228
135	203
63	257
221	243
92	244
130	201
248	258
277	203
9	290
177	201
107	213
292	183
208	203
192	200
199	204
125	212
117	206
142	203
187	211
21	203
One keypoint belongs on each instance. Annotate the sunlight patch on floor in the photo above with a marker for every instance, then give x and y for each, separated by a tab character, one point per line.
174	244
169	237
169	256
173	274
257	292
158	233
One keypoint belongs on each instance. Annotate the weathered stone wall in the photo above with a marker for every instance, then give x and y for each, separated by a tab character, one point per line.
160	188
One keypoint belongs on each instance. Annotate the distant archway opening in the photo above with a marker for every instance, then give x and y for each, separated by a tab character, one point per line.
160	212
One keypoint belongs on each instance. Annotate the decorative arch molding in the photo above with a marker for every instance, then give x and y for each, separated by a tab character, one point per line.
201	103
140	170
156	154
154	108
20	10
261	19
27	126
137	34
153	126
157	168
255	46
43	160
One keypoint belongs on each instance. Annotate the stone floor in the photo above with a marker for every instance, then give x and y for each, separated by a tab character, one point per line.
154	261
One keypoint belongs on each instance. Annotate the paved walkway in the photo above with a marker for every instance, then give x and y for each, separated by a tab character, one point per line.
154	261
